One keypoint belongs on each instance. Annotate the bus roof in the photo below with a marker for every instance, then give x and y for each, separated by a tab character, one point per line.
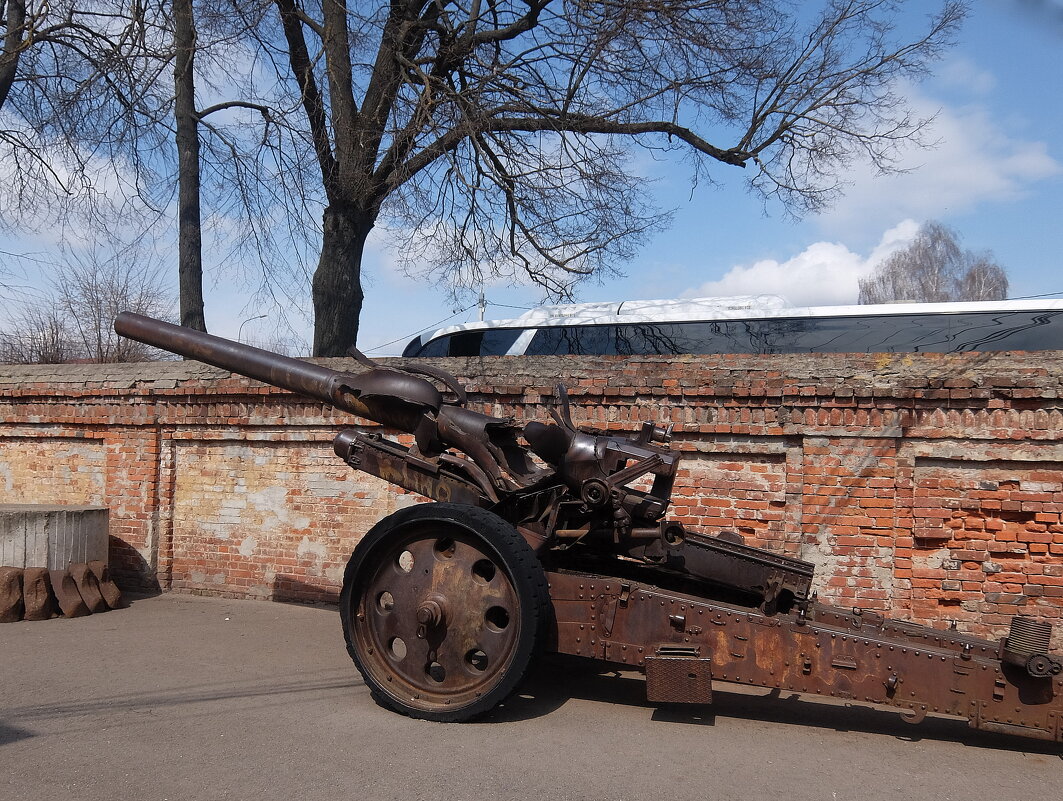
742	307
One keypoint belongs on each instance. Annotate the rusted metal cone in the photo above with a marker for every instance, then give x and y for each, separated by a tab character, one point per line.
10	594
108	589
88	587
37	594
66	592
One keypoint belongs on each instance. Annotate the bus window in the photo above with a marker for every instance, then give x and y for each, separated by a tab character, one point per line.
437	347
481	342
902	333
1041	330
949	328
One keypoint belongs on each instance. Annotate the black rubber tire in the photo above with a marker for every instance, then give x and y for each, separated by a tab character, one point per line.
500	543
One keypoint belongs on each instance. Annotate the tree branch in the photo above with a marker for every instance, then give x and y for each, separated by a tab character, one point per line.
265	111
313	103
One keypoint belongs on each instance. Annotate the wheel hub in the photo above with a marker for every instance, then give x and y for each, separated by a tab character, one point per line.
430	615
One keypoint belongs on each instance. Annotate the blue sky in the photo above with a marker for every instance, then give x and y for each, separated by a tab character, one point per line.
995	176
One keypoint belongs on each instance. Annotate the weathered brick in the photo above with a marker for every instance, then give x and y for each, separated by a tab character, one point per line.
229	487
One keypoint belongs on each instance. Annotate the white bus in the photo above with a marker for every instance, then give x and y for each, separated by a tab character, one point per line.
754	324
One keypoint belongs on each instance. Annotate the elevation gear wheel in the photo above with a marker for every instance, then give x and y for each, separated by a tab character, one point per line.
443	606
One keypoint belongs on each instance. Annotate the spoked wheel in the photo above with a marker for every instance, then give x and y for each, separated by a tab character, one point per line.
442	610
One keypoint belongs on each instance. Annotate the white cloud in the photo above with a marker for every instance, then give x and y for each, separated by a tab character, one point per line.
823	274
963	74
975	161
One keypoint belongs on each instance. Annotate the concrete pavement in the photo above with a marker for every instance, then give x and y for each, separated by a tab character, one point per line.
183	697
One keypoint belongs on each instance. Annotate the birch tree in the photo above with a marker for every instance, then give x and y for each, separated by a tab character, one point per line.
935	268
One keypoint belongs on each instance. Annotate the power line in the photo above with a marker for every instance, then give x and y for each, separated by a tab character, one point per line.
1032	297
29	258
436	325
421	330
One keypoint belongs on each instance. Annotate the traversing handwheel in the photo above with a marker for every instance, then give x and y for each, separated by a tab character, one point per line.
443	606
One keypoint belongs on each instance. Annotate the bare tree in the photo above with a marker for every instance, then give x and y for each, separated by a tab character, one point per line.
73	320
240	164
205	45
79	116
491	138
983	280
36	335
934	268
90	126
186	135
497	136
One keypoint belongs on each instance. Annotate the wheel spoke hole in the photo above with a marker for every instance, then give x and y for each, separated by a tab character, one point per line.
445	548
436	672
476	659
484	570
397	648
497	618
405	561
385	601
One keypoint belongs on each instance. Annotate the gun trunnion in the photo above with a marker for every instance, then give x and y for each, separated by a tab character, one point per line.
547	537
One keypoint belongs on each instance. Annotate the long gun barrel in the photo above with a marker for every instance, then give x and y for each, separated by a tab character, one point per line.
394	398
388	397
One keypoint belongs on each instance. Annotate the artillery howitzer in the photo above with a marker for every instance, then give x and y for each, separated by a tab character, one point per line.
444	604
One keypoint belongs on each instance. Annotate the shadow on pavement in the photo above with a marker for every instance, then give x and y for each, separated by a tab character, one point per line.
185	696
12	734
291	590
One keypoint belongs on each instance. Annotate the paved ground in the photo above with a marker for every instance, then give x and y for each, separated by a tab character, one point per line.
181	697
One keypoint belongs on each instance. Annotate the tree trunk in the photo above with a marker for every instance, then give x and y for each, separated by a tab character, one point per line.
189	224
338	280
12	45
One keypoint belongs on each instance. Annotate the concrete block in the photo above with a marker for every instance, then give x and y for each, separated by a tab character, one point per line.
41	535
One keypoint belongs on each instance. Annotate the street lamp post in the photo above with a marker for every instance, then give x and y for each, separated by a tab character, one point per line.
240	330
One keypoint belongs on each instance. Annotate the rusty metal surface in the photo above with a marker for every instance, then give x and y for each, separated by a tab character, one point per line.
37	595
438	618
824	652
88	587
393	462
392	398
627	586
10	594
772	577
108	589
442	609
67	595
678	675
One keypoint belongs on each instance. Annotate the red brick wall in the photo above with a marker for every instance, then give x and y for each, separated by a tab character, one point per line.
929	487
